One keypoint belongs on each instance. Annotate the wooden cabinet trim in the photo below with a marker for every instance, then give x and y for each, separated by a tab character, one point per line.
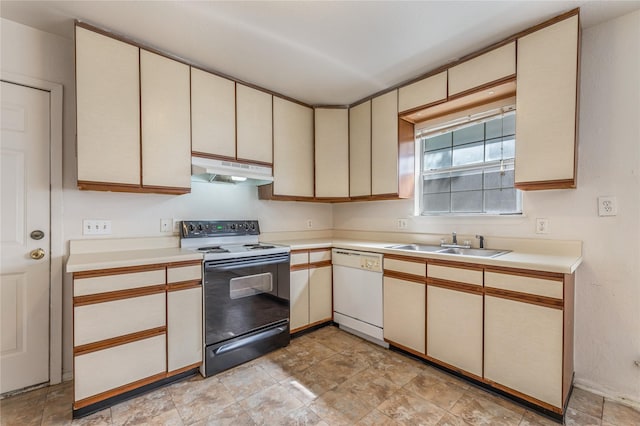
314	250
184	285
554	276
548	184
116	271
319	264
405	277
110	296
311	325
299	267
547	302
182	263
455	264
453	368
303	250
259	163
456	286
183	369
117	341
406	349
215	156
117	391
524	397
116	187
567	336
405	258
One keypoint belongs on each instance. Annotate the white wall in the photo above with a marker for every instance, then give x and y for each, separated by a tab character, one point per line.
37	54
607	338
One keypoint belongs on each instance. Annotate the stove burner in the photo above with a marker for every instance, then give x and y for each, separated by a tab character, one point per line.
213	249
258	246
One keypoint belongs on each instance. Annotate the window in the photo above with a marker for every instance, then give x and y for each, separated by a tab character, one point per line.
469	168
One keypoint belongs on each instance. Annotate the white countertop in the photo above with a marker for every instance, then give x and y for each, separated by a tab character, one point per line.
560	263
119	259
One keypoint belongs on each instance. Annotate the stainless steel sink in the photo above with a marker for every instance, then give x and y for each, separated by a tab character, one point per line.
417	247
473	252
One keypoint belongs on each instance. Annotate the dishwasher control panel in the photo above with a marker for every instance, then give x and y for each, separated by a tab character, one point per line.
357	259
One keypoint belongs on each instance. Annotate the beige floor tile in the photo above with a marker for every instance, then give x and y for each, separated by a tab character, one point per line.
339	367
270	405
376	418
574	417
101	418
532	419
477	408
343	401
408	408
167	418
433	388
619	414
395	369
330	415
311	351
198	398
303	416
245	380
141	409
339	341
233	415
450	420
586	402
309	384
57	414
369	388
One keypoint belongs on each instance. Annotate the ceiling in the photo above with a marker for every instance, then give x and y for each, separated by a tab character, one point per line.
319	52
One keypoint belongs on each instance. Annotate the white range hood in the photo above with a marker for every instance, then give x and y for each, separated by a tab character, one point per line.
224	171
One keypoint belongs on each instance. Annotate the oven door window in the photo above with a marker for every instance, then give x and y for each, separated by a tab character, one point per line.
252	285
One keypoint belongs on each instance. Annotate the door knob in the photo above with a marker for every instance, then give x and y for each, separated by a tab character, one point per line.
37	254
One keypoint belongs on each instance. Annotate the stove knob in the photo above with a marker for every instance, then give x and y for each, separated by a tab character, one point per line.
253	226
246	226
200	227
232	226
191	228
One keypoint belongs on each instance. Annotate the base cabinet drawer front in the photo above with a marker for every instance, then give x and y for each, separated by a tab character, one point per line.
184	328
107	283
101	321
523	348
486	68
451	273
320	294
299	311
407	267
530	285
299	258
101	371
404	313
319	256
454	328
184	273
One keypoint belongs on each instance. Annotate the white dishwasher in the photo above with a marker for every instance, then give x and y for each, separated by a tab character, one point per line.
357	293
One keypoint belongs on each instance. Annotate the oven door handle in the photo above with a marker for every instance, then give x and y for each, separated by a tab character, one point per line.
236	264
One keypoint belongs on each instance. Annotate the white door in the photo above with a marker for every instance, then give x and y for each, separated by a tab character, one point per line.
24	285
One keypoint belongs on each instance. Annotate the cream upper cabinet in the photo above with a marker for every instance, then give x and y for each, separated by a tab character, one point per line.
166	122
492	66
424	92
546	107
254	115
108	109
332	152
292	149
384	144
360	150
213	114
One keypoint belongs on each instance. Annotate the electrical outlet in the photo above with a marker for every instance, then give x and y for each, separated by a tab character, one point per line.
402	224
542	226
96	227
166	225
607	206
176	226
309	224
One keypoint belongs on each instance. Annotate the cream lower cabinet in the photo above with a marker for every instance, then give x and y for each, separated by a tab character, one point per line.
404	302
129	331
311	288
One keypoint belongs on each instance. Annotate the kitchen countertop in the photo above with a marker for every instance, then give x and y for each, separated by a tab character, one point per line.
119	259
560	263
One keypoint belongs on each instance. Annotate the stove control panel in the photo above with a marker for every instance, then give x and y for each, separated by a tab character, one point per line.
218	228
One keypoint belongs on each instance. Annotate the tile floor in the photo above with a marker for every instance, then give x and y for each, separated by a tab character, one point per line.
327	377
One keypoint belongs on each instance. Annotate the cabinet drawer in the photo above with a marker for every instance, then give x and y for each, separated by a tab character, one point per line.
101	371
300	258
106	283
101	321
423	92
530	285
319	256
491	66
405	266
450	273
184	273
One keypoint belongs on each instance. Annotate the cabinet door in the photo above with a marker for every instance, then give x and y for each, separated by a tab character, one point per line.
424	92
108	109
360	150
332	152
213	114
523	348
481	70
299	299
384	144
292	149
404	313
254	115
320	294
184	328
166	122
546	105
454	328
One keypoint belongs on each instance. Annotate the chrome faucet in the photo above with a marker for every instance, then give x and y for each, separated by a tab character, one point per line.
454	242
481	238
454	238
